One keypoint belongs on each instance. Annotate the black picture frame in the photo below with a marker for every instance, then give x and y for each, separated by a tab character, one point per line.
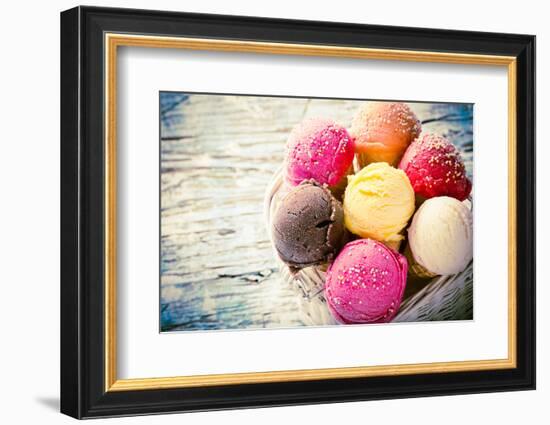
83	392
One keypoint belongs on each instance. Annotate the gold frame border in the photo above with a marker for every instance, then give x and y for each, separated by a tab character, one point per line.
113	41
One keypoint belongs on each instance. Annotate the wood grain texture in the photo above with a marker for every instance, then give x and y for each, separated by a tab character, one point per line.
218	155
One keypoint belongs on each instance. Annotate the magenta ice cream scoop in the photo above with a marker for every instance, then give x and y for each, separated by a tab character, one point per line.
365	283
318	149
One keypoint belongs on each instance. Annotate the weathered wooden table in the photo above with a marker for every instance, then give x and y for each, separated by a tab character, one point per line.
218	154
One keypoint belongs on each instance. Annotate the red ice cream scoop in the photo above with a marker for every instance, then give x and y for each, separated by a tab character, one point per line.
435	168
365	283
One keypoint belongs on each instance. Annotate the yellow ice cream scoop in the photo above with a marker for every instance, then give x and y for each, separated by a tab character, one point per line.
378	202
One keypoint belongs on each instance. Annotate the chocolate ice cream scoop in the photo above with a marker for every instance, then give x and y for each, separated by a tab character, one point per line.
308	226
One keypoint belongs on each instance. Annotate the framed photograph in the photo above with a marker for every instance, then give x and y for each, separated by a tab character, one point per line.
261	212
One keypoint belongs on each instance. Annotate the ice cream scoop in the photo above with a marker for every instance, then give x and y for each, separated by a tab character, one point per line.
383	131
318	149
435	168
365	283
378	202
308	226
441	236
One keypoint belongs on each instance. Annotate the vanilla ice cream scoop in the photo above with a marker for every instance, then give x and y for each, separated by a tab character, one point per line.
441	235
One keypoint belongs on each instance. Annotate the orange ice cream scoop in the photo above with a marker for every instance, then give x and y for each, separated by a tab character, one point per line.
383	131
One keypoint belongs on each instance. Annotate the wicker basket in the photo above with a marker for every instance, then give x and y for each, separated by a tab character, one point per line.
439	298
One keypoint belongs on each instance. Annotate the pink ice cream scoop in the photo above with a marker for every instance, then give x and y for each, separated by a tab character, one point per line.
318	149
435	168
365	283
